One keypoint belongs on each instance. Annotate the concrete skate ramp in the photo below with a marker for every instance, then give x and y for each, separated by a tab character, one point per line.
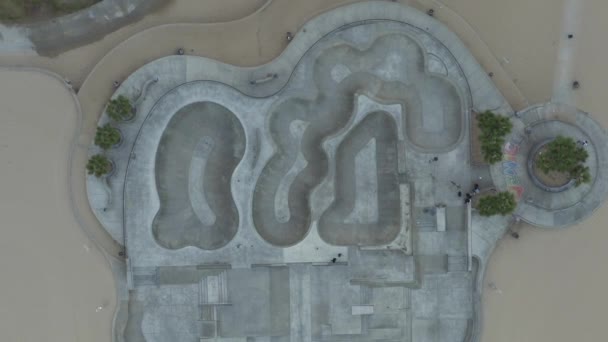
398	72
198	152
281	209
366	209
433	121
434	113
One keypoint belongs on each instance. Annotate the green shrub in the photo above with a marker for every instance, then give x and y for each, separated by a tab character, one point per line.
503	203
99	165
494	128
120	109
563	154
580	174
107	136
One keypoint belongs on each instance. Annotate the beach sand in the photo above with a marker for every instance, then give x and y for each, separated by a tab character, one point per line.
551	284
52	277
522	34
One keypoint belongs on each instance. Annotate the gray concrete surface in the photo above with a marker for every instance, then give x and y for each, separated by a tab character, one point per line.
356	142
537	206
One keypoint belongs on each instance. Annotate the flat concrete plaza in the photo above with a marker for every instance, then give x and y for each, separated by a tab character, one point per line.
313	198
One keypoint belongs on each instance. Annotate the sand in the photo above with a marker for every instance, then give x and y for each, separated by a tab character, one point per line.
522	34
53	277
551	283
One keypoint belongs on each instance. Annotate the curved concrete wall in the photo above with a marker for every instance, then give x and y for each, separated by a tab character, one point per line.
197	154
392	68
388	53
378	223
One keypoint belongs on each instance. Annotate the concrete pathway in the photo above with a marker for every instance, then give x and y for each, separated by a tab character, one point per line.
566	53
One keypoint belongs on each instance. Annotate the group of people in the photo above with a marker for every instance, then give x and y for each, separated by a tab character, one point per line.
333	260
469	195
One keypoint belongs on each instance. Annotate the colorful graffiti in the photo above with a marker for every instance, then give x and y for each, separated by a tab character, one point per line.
510	169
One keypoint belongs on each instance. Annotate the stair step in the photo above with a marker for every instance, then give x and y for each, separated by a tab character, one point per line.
145	276
202	291
208	313
213	289
145	280
223	287
144	270
458	263
385	333
366	294
533	116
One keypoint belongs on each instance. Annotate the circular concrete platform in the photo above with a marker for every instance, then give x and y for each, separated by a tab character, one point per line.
537	205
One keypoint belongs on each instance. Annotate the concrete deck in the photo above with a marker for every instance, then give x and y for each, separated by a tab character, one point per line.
342	158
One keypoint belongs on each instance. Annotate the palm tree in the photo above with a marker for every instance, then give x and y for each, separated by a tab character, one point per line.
580	174
99	165
494	128
564	155
107	136
120	109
